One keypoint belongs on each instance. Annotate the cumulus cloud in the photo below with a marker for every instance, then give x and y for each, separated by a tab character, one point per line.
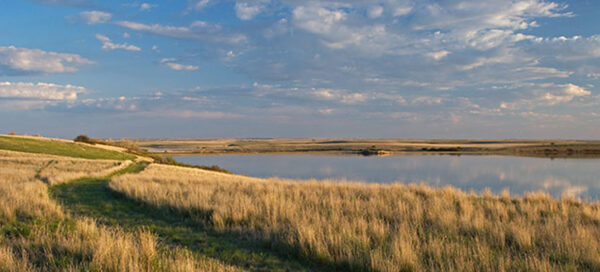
317	19
532	96
14	60
39	91
564	93
171	63
466	44
107	44
248	10
95	17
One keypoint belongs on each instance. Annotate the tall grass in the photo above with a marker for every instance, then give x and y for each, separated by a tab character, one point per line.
37	235
354	226
54	169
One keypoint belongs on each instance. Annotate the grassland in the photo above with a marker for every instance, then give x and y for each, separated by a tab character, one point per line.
71	214
537	148
60	148
353	226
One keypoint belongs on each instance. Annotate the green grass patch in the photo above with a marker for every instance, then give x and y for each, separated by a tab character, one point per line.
60	148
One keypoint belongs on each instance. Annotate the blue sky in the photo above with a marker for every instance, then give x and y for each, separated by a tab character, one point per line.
288	68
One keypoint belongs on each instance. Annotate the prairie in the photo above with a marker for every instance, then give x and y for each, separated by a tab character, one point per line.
85	212
354	226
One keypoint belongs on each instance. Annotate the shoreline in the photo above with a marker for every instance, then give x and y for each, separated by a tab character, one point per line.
371	147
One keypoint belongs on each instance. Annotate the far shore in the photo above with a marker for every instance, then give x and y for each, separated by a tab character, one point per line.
373	147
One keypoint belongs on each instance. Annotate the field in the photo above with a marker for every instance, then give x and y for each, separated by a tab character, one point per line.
537	148
65	213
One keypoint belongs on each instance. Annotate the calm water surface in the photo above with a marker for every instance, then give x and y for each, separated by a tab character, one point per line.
575	177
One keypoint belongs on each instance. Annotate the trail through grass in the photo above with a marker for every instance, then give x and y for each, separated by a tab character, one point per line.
60	148
91	197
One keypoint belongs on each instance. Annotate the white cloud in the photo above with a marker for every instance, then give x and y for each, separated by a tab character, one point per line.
427	100
317	19
401	11
339	96
375	12
248	10
198	5
23	60
570	49
171	63
438	55
40	91
107	44
95	17
147	7
198	30
564	93
531	96
335	30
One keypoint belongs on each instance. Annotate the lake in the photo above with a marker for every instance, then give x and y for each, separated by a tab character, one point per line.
574	177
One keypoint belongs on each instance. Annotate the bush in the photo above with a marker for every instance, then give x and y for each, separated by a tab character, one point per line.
84	139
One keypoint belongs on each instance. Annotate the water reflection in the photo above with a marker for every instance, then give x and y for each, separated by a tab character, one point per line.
574	177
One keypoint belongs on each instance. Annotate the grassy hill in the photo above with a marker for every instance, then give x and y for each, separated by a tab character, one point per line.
60	148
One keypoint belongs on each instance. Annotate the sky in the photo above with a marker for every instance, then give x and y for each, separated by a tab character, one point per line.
289	68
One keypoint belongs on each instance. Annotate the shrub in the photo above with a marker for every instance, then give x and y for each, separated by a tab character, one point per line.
84	139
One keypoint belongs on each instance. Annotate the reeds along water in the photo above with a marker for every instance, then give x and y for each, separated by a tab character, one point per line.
36	234
354	226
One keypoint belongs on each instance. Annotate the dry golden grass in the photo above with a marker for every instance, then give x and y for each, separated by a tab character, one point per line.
382	227
37	235
53	169
89	247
